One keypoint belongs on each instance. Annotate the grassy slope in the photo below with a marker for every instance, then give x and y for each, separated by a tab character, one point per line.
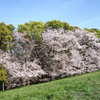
82	87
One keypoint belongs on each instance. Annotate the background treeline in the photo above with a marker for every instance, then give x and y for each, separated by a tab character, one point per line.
32	30
30	33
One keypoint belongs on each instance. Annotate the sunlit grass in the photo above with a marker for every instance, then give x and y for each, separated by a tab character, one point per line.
82	87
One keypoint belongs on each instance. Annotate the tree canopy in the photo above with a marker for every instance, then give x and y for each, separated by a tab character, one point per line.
5	35
56	24
32	30
65	26
53	24
98	33
90	30
10	27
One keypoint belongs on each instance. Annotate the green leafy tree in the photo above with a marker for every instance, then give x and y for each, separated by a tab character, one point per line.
71	28
3	77
55	24
95	29
10	27
76	27
65	26
5	37
98	33
90	30
32	30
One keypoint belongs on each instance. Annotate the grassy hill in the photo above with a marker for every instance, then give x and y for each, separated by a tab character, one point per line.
82	87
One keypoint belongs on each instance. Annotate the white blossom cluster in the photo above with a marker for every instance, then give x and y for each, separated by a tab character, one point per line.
61	54
67	53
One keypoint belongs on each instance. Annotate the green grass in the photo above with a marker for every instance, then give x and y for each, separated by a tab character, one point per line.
82	87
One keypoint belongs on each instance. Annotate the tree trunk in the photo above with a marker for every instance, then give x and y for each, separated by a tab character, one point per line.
3	86
28	83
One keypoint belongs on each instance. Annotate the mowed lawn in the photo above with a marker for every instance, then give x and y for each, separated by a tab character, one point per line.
82	87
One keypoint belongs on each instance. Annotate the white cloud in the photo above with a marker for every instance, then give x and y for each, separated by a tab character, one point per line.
88	22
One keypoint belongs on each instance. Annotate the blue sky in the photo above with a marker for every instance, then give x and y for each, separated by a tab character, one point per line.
82	13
